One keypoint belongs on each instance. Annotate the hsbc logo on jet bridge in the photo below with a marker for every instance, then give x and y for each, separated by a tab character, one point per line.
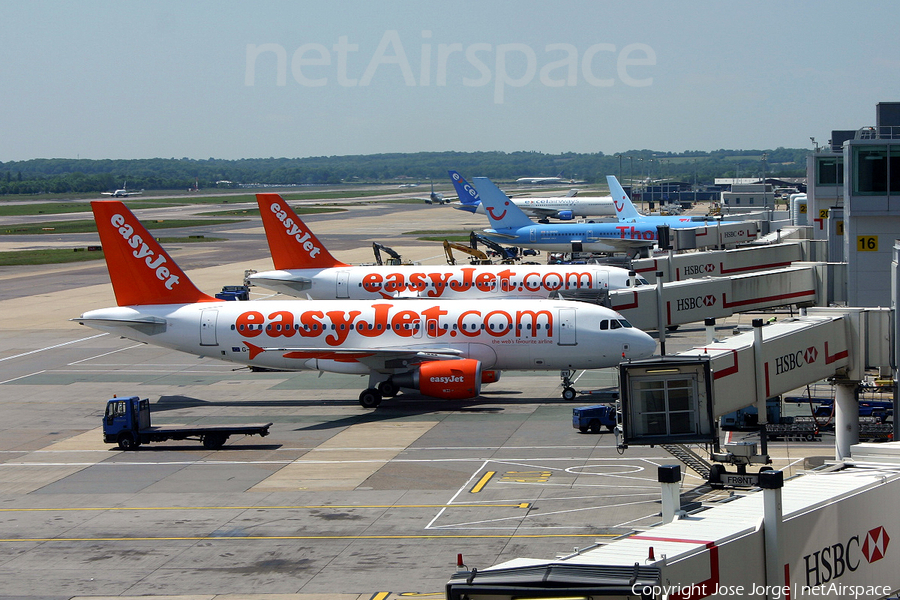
294	231
695	303
831	562
698	269
789	362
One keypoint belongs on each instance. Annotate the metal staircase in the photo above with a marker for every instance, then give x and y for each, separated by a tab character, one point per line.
690	458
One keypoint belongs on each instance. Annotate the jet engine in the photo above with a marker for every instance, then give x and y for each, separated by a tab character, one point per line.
490	376
449	379
565	215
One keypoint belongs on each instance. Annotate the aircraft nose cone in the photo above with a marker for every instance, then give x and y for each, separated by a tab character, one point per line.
641	346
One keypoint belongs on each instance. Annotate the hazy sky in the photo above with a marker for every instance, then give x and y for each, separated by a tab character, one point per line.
120	79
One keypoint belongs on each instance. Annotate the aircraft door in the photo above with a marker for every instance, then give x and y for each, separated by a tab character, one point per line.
343	284
208	320
532	235
566	327
601	280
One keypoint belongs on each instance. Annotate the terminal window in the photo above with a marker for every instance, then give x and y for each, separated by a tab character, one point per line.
830	171
870	170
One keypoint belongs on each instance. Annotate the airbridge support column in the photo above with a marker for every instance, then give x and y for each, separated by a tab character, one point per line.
846	418
760	374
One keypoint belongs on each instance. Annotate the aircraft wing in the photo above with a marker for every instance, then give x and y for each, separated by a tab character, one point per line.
374	358
539	211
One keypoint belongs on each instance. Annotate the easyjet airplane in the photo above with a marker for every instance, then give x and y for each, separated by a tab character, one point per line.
305	268
444	348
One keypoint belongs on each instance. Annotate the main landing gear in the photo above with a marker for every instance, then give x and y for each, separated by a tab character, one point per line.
372	397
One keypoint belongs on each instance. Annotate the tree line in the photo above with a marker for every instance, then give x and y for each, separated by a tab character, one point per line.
63	175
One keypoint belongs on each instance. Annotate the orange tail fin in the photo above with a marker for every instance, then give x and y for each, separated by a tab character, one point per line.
292	244
140	270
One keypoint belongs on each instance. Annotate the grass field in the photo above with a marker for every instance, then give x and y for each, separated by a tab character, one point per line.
14	209
67	255
57	227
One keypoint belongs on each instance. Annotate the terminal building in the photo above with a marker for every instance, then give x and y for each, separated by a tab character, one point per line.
854	202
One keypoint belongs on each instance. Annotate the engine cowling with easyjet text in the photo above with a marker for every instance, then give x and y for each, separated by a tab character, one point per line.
448	379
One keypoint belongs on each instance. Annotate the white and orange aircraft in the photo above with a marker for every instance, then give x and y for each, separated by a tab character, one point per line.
444	348
305	268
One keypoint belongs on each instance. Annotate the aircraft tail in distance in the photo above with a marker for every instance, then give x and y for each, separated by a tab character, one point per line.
467	194
501	212
625	210
292	244
140	270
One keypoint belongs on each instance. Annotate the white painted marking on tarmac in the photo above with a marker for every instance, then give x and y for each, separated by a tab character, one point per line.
104	354
466	486
22	377
522	518
54	346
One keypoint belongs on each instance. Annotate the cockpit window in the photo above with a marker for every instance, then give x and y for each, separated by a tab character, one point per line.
607	324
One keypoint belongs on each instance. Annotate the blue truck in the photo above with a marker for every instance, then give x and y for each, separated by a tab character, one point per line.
127	423
591	418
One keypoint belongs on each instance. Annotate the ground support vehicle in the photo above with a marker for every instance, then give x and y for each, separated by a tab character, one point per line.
127	423
591	418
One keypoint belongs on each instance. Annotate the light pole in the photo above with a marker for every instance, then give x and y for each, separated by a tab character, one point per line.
643	180
631	175
765	194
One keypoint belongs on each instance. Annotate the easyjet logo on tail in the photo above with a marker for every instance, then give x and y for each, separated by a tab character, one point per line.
155	262
293	230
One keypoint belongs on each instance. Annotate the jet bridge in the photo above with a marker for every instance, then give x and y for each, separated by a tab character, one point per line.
678	399
665	305
726	263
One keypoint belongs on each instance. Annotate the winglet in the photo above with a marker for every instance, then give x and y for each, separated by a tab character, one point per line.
624	208
467	194
140	270
292	244
501	212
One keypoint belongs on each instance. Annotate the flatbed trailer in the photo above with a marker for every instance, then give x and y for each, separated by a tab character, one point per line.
127	424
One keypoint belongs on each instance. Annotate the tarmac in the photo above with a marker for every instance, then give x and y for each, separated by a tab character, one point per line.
338	502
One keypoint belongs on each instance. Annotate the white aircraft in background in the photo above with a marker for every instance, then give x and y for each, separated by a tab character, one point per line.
444	348
121	193
306	269
542	180
563	208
